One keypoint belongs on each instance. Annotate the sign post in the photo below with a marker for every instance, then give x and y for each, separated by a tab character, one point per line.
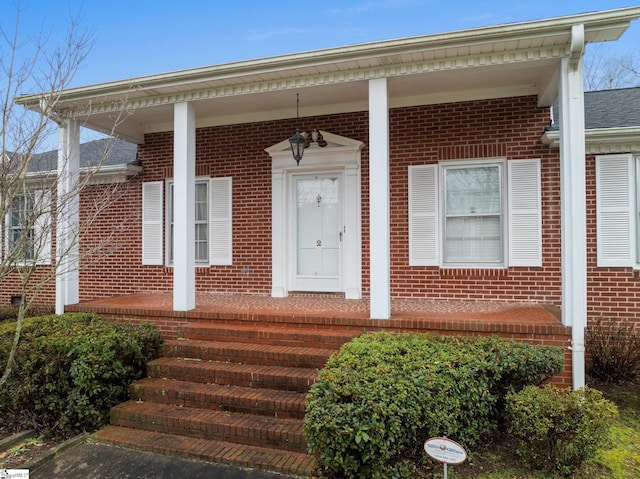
446	451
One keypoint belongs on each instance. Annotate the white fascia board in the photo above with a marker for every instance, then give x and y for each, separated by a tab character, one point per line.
599	26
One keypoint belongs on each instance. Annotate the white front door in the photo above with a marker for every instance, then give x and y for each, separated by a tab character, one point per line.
318	232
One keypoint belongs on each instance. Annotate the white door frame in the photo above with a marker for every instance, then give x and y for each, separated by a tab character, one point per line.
340	155
311	283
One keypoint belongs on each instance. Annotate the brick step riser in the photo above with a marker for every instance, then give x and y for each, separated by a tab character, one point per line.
285	462
222	353
202	429
338	325
298	339
290	409
232	378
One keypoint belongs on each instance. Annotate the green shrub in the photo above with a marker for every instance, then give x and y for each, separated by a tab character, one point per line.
613	349
556	429
382	395
71	369
10	313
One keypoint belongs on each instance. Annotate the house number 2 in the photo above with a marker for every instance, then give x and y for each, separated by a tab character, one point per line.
319	243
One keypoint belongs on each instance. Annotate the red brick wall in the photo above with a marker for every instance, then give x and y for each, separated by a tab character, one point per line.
510	128
250	167
10	286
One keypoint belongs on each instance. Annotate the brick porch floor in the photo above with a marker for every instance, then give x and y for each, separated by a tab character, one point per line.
310	305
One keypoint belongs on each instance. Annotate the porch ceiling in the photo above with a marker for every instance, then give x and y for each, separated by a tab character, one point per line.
502	61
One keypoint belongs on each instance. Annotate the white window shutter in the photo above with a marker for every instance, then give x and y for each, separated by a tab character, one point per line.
42	227
220	222
424	246
152	223
615	210
525	213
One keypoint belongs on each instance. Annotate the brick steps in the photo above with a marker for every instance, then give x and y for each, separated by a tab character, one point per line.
245	375
265	402
304	336
248	429
247	353
287	462
229	392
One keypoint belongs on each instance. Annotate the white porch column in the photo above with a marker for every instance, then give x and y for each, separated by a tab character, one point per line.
380	301
573	202
184	169
67	215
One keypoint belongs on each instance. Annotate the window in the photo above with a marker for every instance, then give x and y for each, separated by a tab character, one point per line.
213	234
470	214
28	229
21	228
618	210
473	214
201	222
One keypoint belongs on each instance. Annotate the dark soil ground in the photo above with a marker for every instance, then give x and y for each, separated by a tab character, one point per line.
22	453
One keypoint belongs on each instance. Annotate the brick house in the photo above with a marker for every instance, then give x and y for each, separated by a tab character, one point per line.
433	169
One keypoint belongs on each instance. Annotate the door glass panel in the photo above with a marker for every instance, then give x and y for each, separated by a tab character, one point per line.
318	226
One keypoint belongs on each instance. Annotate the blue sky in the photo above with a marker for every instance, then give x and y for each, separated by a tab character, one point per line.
141	37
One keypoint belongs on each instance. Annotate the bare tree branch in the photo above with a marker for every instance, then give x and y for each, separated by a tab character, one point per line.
30	203
605	70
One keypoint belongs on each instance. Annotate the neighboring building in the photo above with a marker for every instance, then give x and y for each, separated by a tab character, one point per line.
435	174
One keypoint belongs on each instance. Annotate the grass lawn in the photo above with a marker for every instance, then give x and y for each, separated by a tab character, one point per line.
621	460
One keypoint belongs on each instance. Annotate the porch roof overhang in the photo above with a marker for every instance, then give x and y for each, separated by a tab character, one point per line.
490	62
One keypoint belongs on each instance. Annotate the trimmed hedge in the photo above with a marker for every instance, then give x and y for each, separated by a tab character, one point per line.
382	395
71	369
557	429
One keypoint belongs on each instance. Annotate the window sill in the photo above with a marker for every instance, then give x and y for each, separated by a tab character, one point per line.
488	272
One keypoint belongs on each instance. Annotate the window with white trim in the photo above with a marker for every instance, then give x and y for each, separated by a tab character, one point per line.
478	213
618	210
201	222
473	214
28	228
21	230
212	222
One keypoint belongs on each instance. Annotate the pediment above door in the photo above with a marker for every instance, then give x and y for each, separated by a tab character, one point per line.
338	150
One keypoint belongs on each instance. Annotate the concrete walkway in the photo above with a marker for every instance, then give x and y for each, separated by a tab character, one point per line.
89	460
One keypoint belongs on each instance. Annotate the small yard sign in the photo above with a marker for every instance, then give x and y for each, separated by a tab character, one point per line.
446	451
